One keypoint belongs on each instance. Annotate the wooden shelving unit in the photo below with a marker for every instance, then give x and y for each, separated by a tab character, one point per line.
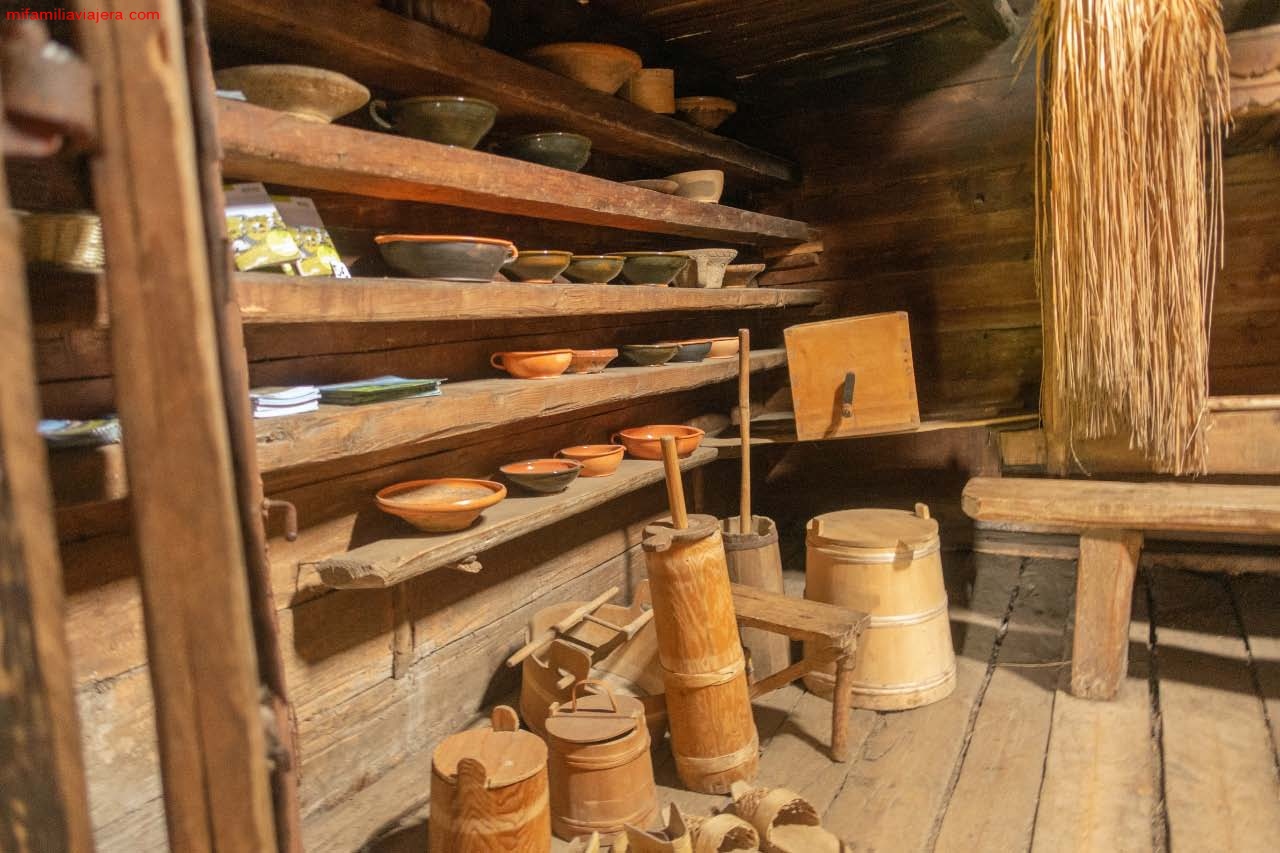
388	562
385	51
267	298
265	145
730	446
335	432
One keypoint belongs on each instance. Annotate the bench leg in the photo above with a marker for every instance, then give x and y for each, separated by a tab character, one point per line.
1104	594
841	707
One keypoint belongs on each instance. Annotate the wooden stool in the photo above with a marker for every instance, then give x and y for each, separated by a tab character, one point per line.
830	635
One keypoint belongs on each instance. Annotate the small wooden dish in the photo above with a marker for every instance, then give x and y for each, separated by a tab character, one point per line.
598	460
646	442
441	505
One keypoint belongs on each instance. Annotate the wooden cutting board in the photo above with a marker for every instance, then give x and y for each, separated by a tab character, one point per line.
876	351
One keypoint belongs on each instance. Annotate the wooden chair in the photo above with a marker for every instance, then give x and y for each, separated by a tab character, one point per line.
830	634
1111	519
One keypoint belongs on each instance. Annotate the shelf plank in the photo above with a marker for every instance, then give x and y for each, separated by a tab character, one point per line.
272	147
335	432
730	446
272	298
386	51
388	562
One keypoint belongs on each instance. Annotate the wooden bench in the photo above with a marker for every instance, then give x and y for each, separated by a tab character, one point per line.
1111	519
830	634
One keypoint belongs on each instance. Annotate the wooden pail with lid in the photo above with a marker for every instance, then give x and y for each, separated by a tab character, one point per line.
489	790
886	563
599	764
713	735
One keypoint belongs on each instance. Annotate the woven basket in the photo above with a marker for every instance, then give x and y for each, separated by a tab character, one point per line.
67	240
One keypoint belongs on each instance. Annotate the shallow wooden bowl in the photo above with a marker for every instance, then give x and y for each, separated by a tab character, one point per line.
603	67
313	94
545	476
441	505
598	460
646	442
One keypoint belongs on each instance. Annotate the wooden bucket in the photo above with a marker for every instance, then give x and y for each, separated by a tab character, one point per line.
489	790
590	651
886	563
754	560
599	766
713	735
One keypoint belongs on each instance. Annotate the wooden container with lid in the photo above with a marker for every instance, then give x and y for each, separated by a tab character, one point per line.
600	769
489	790
885	562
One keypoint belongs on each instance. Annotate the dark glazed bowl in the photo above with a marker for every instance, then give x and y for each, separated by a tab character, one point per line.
445	257
545	476
568	151
647	355
538	266
695	350
447	120
652	268
594	269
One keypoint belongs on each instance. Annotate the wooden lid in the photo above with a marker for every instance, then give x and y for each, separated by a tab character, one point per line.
595	718
873	528
508	755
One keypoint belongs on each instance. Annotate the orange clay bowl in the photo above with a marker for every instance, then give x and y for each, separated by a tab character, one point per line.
723	347
591	360
540	364
443	505
598	460
646	442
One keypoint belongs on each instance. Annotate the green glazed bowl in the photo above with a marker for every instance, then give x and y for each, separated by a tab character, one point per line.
652	268
447	120
537	266
594	269
568	151
646	355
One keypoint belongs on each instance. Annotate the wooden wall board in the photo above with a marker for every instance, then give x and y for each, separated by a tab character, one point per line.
1220	775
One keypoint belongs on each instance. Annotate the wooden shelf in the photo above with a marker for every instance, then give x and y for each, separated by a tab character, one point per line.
386	51
730	447
388	562
272	298
335	432
264	145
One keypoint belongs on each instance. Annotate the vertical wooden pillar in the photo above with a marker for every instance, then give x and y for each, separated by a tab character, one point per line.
1104	595
43	803
169	394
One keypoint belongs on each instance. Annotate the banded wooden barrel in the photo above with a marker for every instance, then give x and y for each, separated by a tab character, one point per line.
886	563
754	560
489	790
713	735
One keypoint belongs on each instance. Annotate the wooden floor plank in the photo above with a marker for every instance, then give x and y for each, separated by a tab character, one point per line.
1221	787
1005	757
898	784
1257	598
1100	787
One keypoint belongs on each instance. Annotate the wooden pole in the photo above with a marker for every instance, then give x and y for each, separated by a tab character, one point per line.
169	393
44	806
744	417
675	489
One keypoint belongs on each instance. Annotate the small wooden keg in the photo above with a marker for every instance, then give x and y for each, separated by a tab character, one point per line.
754	560
886	563
713	735
600	769
489	790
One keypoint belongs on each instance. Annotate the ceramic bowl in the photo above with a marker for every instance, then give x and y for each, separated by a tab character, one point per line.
647	355
707	269
646	442
724	347
443	505
652	268
658	185
705	185
446	119
594	269
597	460
537	364
591	360
537	266
692	350
568	151
654	89
603	67
742	275
313	94
545	476
705	112
445	256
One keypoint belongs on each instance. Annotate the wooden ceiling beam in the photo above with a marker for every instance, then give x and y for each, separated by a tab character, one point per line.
993	18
